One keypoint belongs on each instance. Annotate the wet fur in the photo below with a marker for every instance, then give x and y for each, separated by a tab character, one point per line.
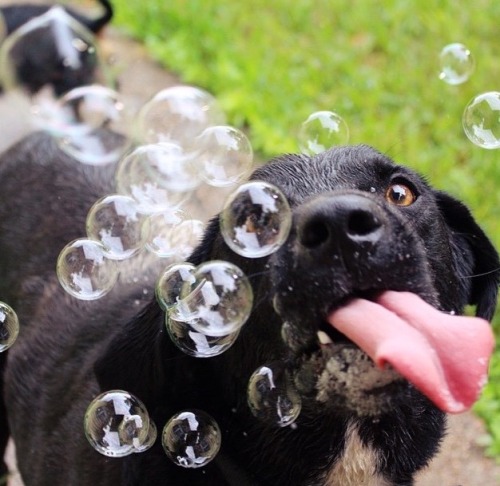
68	351
41	65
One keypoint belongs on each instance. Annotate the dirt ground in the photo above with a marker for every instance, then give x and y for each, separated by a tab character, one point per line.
461	461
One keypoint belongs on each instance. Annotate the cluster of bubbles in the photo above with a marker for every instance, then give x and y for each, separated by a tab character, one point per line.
117	424
184	145
9	326
481	116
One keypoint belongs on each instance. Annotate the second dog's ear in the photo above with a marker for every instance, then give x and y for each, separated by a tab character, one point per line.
485	277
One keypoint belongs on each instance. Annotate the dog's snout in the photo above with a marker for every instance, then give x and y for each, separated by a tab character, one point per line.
336	220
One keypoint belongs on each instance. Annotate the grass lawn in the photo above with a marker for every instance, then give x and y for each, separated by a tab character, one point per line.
272	63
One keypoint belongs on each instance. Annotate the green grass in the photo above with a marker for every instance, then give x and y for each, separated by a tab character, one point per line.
272	63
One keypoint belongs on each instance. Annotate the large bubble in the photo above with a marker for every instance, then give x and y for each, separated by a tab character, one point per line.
51	49
84	271
321	131
224	155
116	222
256	219
141	175
481	120
195	343
178	114
9	326
191	438
272	396
91	125
117	424
457	63
219	301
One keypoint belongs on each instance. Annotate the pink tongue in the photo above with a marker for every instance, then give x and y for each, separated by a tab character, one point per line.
446	357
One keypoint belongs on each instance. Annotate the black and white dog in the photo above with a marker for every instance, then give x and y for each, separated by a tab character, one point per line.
42	60
371	242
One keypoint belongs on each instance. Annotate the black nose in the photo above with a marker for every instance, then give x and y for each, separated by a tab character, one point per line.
345	222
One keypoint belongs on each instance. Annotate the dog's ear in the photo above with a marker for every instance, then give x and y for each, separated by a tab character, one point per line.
485	276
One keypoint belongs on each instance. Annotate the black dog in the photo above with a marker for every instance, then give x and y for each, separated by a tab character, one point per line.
361	226
40	61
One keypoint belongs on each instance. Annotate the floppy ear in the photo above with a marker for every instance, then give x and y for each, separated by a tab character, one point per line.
485	276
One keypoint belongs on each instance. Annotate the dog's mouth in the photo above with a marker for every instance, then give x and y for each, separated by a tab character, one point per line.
369	348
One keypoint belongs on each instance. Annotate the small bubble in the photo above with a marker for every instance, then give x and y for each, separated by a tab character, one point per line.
178	114
196	344
139	175
84	271
191	439
117	424
149	440
219	301
256	220
169	285
116	222
9	327
93	125
457	64
481	120
321	131
272	396
224	155
161	233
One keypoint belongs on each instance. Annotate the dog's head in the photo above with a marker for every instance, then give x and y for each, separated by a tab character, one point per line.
50	47
363	229
361	226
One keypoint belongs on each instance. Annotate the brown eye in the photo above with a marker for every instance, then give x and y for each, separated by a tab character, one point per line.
400	194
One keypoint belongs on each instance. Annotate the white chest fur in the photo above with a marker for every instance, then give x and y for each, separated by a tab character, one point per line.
357	466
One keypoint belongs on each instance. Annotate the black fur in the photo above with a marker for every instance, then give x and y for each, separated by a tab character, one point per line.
68	351
38	63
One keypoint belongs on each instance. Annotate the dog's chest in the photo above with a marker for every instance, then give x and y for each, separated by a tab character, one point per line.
357	466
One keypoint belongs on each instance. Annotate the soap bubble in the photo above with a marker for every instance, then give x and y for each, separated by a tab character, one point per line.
66	55
92	125
219	301
191	438
272	396
9	327
178	114
169	235
115	222
169	285
161	233
139	176
322	130
187	237
224	154
256	219
150	439
194	343
117	424
84	271
457	64
481	120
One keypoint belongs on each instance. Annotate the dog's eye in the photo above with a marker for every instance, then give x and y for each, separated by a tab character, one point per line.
400	194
